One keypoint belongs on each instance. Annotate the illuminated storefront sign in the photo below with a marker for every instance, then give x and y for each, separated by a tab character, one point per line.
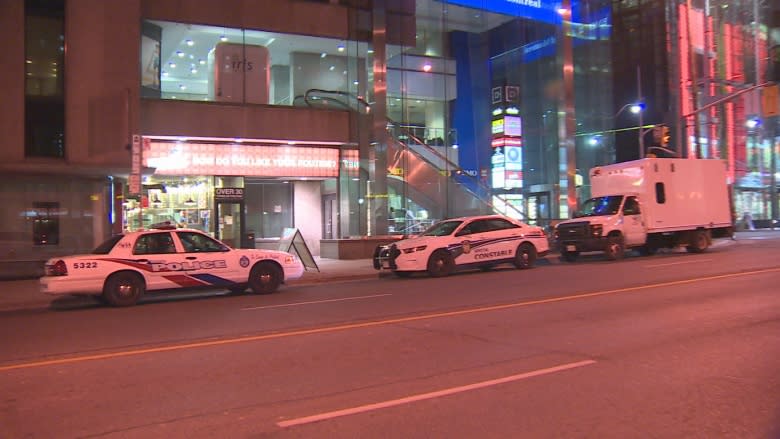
183	158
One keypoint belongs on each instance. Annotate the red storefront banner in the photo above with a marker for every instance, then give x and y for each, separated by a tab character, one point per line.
184	158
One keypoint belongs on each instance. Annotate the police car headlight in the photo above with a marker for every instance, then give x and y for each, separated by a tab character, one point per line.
289	259
596	230
414	249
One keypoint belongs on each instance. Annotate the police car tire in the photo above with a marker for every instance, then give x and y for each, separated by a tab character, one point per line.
440	264
112	290
525	256
265	278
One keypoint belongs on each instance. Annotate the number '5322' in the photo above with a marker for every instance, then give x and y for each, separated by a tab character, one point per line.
85	265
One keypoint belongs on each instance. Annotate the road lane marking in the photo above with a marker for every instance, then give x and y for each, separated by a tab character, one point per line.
315	302
431	395
678	263
373	323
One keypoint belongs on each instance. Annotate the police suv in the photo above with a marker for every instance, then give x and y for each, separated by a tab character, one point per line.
120	270
461	243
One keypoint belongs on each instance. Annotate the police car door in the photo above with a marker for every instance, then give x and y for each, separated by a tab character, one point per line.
500	236
208	260
471	241
157	252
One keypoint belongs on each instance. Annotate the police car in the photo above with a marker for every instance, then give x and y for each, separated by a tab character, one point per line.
462	243
124	267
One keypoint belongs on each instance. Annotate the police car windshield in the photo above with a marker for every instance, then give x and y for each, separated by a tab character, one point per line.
106	246
442	228
601	206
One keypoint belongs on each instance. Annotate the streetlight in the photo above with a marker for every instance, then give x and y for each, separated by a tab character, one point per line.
636	108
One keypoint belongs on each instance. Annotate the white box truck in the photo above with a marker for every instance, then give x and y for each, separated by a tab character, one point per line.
649	204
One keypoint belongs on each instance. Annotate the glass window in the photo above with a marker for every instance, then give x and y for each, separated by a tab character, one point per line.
154	243
107	245
269	207
44	78
209	63
46	223
197	242
631	207
660	193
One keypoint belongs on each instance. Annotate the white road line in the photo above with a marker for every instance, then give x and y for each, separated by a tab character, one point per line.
679	263
431	395
315	302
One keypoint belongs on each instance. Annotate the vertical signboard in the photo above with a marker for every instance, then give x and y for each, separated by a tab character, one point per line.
135	166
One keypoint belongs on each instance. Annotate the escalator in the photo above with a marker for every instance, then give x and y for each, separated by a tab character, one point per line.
417	170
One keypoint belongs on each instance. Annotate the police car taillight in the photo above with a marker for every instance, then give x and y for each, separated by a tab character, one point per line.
58	268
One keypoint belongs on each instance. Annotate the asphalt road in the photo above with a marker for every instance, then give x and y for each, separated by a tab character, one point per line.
669	346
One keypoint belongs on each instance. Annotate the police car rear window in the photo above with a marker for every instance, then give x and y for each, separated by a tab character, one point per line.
107	245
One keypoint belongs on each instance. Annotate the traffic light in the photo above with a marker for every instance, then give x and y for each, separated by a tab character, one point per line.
665	136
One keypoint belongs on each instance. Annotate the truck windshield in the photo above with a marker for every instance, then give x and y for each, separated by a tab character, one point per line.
601	206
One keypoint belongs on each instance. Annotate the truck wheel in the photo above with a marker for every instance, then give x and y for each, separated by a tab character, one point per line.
615	248
265	278
525	256
440	264
570	256
699	242
123	289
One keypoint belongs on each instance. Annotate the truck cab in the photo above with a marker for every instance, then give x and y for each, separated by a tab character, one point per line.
609	223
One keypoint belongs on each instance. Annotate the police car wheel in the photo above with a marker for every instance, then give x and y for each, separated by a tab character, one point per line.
265	278
123	289
440	264
525	256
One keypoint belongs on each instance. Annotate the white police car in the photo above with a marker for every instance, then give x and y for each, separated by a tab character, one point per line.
462	243
123	268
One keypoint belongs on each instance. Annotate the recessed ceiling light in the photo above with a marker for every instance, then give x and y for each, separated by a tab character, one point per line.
223	38
190	43
180	54
202	62
172	65
165	74
427	67
323	55
356	82
341	47
332	68
194	71
29	61
182	87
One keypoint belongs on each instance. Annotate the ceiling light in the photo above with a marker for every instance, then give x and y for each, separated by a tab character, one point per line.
332	68
164	73
202	62
323	55
427	67
180	54
172	65
182	87
356	82
341	47
223	38
194	71
190	43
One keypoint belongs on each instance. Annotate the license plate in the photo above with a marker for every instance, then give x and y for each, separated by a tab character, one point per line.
571	248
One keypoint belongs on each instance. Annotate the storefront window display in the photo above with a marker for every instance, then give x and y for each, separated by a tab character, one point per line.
209	63
184	201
